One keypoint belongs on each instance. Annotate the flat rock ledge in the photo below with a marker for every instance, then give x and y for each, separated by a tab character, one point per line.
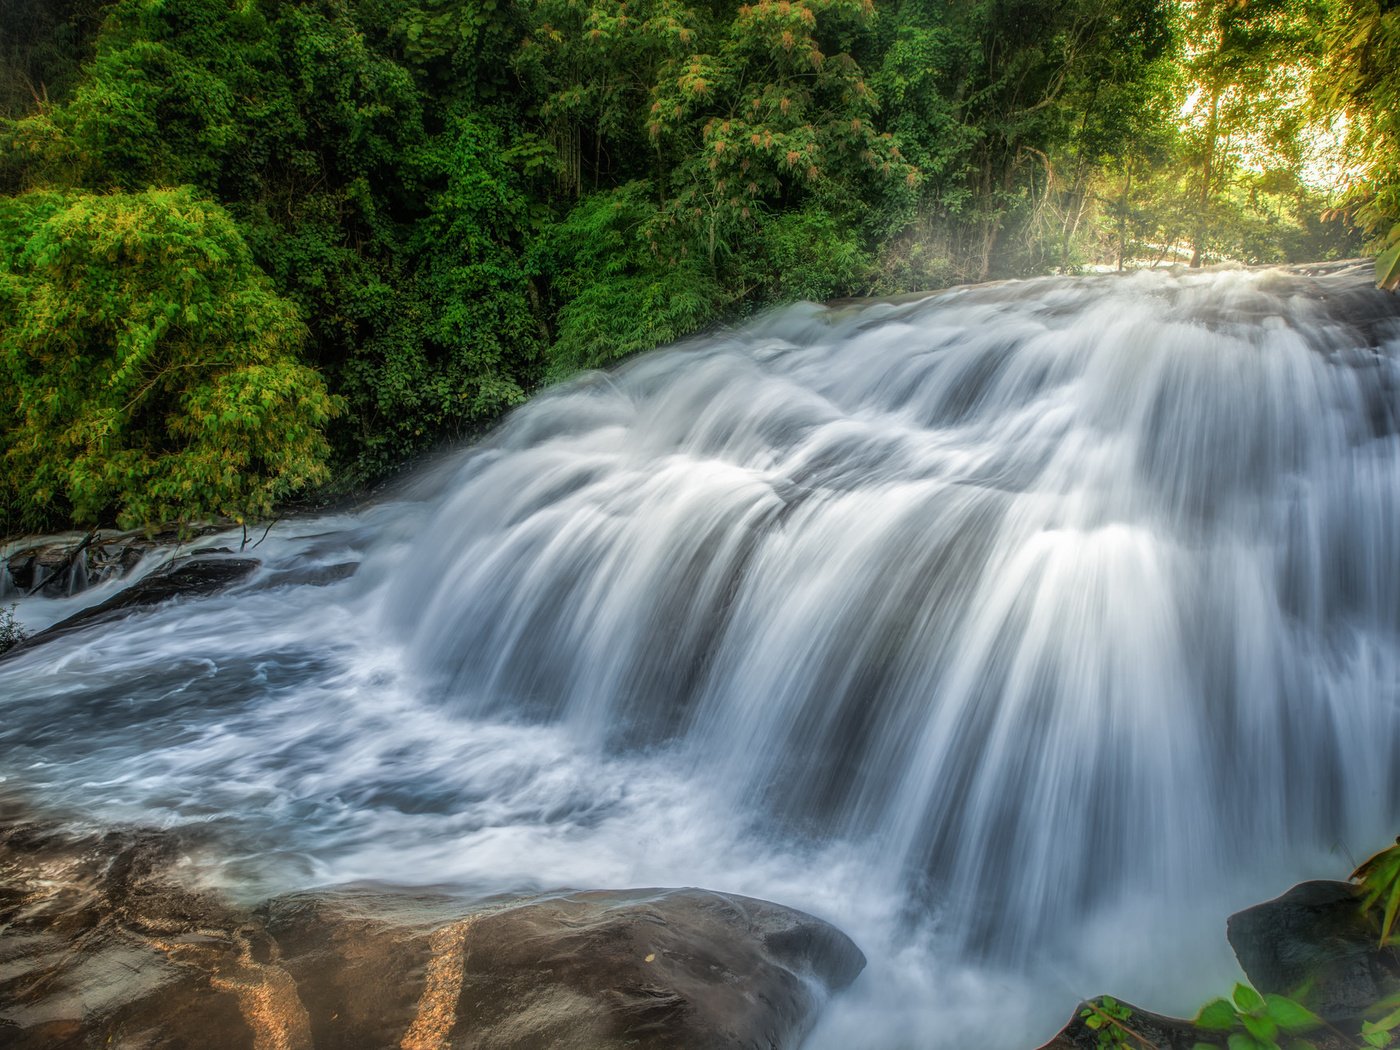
104	947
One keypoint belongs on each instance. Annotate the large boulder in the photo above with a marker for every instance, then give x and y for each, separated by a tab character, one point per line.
104	947
1315	944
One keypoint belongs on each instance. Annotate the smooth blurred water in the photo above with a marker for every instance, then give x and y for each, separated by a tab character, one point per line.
1022	631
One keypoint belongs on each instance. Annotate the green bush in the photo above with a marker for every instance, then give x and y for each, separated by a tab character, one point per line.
151	371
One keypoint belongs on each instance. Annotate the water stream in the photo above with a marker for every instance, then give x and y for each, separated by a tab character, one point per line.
1022	631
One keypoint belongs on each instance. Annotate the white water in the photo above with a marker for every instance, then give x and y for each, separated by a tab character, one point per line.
1023	632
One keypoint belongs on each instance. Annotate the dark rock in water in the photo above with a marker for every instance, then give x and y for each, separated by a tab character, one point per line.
62	567
190	577
103	946
1139	1029
312	575
1315	944
1144	1030
58	566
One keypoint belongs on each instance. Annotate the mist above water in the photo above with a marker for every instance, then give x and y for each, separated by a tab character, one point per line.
1022	631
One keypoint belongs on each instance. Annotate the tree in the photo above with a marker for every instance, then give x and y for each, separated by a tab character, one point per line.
1011	108
151	370
1250	67
1358	79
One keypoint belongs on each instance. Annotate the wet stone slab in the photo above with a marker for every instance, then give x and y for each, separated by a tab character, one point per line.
104	946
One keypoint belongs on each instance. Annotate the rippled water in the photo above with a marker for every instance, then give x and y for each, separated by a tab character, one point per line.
1023	631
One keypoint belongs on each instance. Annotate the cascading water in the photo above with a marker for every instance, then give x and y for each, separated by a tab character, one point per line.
1023	631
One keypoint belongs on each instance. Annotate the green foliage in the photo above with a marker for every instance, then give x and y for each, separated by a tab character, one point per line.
461	341
1108	1019
620	292
12	632
1357	78
1379	878
42	48
1388	261
810	254
1379	1029
1258	1022
152	371
462	199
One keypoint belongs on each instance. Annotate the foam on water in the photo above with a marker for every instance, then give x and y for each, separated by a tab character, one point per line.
1023	631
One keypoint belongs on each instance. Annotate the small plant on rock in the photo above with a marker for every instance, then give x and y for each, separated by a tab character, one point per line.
1258	1022
1108	1018
12	632
1380	1030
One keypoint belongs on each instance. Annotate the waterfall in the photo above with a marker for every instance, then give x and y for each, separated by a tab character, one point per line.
1019	629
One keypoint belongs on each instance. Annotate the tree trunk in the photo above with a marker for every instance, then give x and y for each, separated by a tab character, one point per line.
1207	174
1123	220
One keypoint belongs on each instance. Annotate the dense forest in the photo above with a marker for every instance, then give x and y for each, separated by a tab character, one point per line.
252	250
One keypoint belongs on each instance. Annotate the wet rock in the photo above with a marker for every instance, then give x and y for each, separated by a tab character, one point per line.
69	566
649	967
58	566
1144	1030
186	578
1140	1029
1315	944
104	946
312	575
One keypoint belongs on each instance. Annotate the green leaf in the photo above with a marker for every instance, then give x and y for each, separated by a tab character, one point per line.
1217	1015
1388	278
1246	998
1262	1028
1289	1015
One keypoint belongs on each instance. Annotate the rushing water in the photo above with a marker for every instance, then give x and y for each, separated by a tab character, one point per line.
1023	631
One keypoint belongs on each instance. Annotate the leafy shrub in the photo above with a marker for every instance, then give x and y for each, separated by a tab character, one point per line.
622	292
151	371
810	254
1379	878
1257	1022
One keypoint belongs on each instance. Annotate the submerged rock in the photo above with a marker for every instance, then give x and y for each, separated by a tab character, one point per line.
1315	944
104	946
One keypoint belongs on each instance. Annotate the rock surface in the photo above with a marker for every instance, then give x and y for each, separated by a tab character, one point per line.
104	947
187	577
1314	944
1141	1029
1144	1030
57	566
